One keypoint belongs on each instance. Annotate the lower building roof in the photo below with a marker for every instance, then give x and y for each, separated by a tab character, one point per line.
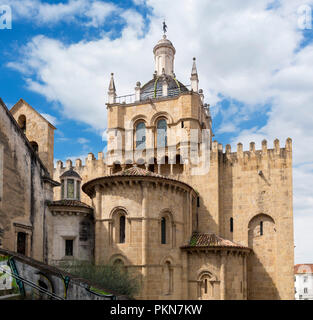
211	240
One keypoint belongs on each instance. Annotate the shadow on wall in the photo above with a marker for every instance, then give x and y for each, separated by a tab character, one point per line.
262	267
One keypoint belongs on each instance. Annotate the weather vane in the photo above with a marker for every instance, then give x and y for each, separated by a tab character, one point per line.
164	27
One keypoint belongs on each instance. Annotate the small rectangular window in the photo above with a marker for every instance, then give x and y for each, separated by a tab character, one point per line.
261	228
305	278
21	243
231	222
182	124
69	247
305	290
198	202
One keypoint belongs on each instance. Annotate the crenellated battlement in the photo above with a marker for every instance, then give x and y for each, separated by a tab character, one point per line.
90	161
244	157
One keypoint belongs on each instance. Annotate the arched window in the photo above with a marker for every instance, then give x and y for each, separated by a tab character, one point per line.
22	122
231	223
116	167
208	287
152	164
122	229
141	135
178	166
165	167
162	133
118	263
163	230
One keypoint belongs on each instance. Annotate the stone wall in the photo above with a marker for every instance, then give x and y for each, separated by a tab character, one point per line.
209	280
144	204
256	187
70	225
24	192
38	130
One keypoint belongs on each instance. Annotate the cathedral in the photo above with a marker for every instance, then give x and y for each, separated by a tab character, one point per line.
195	220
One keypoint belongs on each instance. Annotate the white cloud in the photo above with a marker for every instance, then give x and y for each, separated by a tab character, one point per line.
82	140
42	13
244	52
99	12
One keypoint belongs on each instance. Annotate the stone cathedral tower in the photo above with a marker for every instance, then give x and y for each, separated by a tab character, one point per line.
194	220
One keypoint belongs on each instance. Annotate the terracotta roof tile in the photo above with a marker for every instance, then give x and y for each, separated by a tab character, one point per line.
69	203
303	268
203	240
136	171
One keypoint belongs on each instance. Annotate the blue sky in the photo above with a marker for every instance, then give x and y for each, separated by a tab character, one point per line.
254	59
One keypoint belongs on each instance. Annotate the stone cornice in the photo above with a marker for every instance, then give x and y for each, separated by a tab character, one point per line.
125	181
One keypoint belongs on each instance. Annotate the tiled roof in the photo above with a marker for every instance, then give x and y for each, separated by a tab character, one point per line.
153	88
202	240
136	171
303	268
69	203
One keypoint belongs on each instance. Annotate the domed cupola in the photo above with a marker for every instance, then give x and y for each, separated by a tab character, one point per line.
164	53
164	85
164	82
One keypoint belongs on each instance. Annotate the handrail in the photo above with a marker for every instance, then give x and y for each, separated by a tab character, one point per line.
130	98
31	284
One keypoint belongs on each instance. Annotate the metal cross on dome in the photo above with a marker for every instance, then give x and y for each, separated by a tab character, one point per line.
164	27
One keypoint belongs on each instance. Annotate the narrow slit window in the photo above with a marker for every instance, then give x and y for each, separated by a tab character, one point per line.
198	202
231	223
163	231
261	228
122	229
